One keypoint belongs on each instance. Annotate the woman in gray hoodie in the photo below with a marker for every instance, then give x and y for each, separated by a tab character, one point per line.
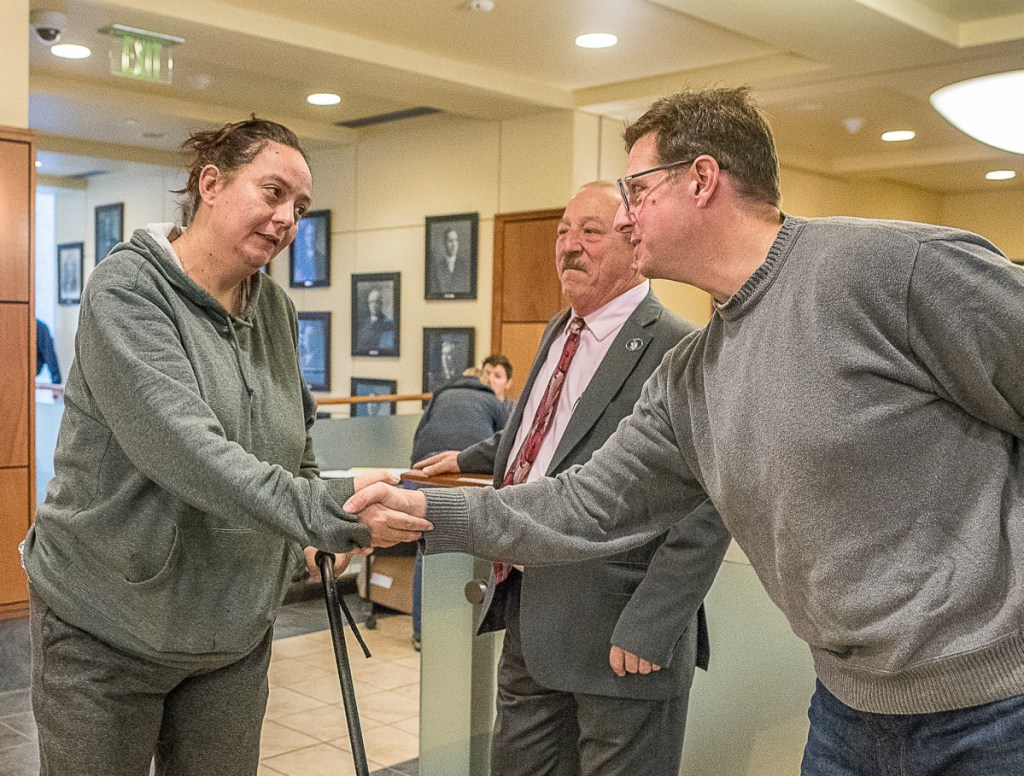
185	481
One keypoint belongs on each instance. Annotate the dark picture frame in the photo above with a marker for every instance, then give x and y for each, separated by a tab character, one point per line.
315	350
460	344
309	256
70	266
376	314
451	256
373	386
109	228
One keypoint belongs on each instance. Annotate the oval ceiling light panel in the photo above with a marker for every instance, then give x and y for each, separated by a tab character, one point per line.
1000	175
898	136
70	51
989	109
323	98
595	40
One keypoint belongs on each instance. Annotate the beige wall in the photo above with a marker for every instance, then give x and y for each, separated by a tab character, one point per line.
147	198
14	43
380	191
999	216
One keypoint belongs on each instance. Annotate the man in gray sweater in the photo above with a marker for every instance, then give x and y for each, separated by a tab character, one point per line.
854	410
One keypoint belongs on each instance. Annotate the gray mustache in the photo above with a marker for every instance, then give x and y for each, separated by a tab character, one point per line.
573	264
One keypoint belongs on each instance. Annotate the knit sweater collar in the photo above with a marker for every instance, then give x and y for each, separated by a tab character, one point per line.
748	295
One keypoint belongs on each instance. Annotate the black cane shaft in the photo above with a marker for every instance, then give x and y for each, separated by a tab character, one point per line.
325	561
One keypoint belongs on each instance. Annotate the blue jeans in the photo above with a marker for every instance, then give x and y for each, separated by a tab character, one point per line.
985	740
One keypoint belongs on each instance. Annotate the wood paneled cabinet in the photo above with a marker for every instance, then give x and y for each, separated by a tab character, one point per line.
526	288
17	361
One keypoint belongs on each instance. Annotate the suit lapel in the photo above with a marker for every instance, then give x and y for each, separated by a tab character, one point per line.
508	436
616	367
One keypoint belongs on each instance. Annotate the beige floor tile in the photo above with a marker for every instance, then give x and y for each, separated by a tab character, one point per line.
411	725
324	723
386	745
411	691
409	662
293	646
389	676
316	759
286	671
284	701
265	770
277	739
388	707
326	690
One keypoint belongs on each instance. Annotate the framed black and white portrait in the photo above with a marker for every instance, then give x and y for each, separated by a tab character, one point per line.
109	228
315	350
69	272
451	256
376	314
371	386
447	353
309	258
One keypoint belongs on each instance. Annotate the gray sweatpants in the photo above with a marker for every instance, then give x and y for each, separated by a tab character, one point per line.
103	712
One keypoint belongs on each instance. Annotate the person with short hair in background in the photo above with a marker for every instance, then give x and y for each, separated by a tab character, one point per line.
497	373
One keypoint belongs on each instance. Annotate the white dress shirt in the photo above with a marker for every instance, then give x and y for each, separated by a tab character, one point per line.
602	326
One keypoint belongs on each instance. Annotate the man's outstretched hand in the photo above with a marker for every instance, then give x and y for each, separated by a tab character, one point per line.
393	515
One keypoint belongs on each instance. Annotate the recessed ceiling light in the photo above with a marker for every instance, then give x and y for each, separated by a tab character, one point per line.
1000	175
595	40
70	51
323	98
989	109
898	135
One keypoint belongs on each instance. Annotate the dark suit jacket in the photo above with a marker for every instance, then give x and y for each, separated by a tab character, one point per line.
456	282
376	335
647	600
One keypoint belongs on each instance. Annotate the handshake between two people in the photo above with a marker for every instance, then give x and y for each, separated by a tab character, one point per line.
392	514
389	518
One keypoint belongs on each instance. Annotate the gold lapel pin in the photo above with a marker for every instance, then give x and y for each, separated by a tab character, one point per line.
634	344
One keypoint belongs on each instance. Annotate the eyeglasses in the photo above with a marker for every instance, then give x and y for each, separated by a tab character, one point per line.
631	197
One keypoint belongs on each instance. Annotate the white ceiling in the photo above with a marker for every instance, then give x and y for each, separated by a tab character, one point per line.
819	67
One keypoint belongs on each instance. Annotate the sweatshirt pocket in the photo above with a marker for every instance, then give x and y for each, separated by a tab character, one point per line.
217	592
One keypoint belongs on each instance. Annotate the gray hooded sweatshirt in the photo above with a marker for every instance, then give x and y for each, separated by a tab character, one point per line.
185	475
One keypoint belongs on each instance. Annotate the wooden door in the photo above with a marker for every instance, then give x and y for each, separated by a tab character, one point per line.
526	288
17	362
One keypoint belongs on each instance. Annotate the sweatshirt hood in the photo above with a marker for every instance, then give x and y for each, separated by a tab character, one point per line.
153	244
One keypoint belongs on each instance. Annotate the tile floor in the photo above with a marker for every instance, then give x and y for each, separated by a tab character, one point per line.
305	730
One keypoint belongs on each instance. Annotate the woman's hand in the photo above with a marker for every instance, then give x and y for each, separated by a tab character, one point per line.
360	481
341	561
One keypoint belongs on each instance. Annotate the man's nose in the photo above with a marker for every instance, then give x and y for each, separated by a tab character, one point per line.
624	219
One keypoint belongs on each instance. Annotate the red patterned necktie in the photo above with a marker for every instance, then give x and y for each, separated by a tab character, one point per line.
523	462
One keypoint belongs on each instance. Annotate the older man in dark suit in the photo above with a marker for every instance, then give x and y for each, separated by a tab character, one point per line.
597	660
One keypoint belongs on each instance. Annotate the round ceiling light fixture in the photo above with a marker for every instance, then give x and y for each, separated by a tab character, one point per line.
1000	175
989	109
323	98
898	135
71	51
596	40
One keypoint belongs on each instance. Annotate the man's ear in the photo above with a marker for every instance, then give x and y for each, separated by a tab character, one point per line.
704	179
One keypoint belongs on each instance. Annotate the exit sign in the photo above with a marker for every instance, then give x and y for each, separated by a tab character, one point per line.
141	54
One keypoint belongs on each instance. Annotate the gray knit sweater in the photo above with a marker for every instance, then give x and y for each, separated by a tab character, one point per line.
185	476
855	414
